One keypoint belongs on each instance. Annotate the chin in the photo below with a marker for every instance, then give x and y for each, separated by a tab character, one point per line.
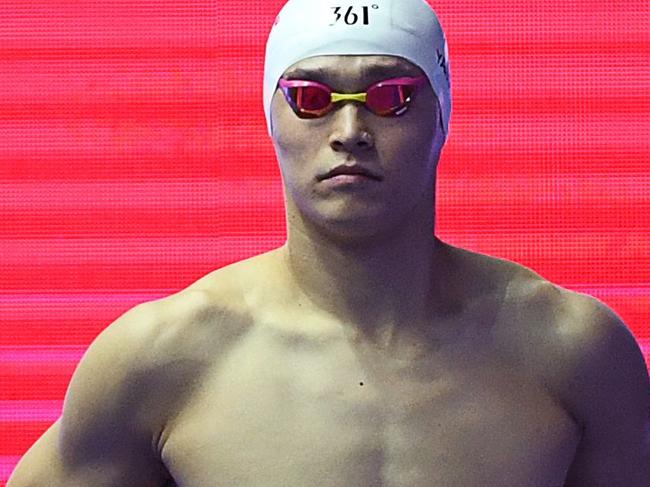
350	227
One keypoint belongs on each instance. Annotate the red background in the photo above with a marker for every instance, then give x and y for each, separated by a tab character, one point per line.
134	159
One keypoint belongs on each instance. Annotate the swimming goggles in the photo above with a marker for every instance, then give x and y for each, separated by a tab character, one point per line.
388	98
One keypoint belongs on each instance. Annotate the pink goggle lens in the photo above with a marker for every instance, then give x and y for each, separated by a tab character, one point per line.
389	99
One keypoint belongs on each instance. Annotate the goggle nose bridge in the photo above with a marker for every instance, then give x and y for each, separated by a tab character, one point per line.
361	97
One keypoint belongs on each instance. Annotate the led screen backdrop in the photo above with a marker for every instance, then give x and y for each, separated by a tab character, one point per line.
134	159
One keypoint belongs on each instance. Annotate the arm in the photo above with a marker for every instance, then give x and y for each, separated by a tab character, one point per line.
610	395
102	438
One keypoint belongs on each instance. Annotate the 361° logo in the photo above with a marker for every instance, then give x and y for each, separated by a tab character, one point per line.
351	17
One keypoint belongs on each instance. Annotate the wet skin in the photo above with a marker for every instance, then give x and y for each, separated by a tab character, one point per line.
363	352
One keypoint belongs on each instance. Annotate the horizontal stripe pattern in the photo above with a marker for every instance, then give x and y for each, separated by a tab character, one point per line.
134	159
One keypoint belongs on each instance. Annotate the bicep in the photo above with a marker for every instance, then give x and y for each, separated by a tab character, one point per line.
44	464
52	462
611	456
100	439
611	396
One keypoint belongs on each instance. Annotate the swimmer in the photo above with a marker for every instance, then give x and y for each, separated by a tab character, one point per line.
364	352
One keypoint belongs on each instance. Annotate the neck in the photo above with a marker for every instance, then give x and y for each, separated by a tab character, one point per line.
375	285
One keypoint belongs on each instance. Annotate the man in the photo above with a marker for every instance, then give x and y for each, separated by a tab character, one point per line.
365	351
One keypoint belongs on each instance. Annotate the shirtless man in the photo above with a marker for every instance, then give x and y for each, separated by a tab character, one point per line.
365	352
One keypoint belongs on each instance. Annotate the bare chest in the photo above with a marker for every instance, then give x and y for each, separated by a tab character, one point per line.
303	415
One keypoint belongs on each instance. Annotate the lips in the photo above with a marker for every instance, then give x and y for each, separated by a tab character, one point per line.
355	169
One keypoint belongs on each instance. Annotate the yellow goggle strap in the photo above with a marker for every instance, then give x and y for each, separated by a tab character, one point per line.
353	96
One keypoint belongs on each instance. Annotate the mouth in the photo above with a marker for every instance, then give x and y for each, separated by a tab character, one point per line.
350	170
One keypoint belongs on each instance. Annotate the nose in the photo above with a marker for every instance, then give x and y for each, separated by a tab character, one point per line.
349	133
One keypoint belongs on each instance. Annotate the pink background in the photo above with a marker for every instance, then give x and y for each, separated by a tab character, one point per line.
134	159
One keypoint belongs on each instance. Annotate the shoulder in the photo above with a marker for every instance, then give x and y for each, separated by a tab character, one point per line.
142	368
199	323
573	343
558	334
568	332
132	379
576	330
587	358
169	328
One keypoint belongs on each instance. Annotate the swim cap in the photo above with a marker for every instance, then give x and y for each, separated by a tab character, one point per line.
406	28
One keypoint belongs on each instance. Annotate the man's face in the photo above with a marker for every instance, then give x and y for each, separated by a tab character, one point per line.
402	150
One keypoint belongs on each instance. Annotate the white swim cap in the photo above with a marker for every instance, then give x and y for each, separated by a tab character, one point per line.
406	28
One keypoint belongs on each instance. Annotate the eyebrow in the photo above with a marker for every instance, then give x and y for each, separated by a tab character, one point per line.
372	71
